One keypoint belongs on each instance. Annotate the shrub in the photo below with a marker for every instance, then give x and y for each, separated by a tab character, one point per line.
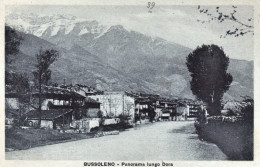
248	109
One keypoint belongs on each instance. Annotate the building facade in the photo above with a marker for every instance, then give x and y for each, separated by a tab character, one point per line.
114	104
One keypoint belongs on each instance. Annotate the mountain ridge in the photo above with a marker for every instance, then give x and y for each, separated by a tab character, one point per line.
153	64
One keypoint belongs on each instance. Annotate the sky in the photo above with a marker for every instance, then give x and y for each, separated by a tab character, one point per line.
177	24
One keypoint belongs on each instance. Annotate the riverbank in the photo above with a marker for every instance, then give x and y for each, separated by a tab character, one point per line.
17	138
20	139
235	139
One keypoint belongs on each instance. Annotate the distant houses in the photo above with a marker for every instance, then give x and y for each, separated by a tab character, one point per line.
165	108
76	106
193	106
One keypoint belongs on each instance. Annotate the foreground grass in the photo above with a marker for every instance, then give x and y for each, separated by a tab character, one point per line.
20	139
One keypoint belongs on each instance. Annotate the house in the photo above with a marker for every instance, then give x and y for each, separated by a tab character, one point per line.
164	108
193	110
58	98
144	108
92	107
193	106
51	118
114	104
143	103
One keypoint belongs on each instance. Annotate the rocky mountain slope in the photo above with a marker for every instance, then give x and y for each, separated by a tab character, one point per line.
75	65
113	58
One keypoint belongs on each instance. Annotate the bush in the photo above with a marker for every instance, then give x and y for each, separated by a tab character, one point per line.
248	110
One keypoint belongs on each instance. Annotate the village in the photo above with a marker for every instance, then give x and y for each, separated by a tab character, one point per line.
80	88
80	108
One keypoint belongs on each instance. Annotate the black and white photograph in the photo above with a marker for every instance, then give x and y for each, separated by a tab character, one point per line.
132	84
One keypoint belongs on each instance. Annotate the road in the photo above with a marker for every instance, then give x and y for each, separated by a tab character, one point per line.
157	141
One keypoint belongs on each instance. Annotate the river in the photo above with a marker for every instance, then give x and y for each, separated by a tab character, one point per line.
170	140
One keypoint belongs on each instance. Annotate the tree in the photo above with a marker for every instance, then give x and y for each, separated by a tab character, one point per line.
239	28
42	74
12	43
208	68
18	84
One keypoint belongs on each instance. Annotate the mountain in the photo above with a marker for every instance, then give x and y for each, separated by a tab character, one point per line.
60	29
119	58
75	65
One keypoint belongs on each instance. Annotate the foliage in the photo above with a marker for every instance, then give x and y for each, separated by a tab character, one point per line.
100	114
151	115
234	135
110	115
248	109
207	66
12	43
42	74
220	16
123	117
16	82
124	120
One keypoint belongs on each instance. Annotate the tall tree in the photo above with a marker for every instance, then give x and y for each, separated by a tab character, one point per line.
42	74
208	68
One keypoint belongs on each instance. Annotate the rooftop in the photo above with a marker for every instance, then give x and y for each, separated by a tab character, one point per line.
57	92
